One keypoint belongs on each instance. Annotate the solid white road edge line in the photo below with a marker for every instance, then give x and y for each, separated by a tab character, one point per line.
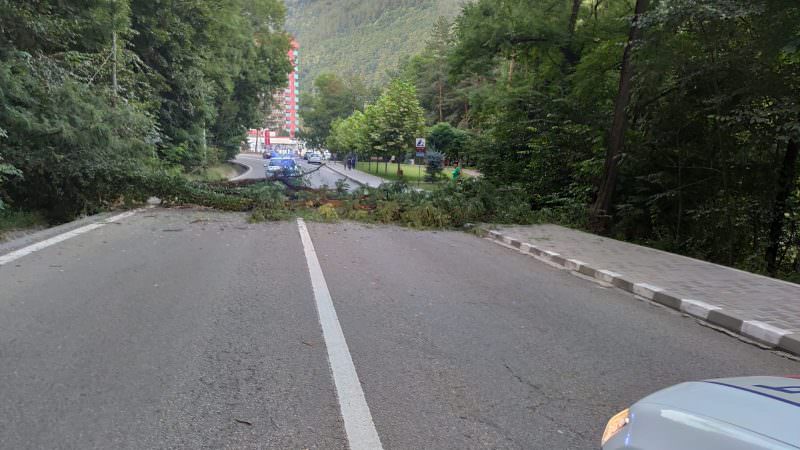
358	424
8	257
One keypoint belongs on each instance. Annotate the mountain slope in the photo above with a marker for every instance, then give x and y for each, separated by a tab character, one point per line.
363	37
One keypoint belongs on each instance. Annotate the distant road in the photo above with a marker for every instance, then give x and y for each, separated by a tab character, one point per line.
315	179
196	329
255	165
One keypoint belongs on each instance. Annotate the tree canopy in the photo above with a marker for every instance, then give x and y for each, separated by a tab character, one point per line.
95	91
386	128
331	98
694	103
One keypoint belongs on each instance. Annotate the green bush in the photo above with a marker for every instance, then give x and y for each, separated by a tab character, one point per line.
387	211
434	166
16	220
426	216
342	186
358	215
327	213
268	215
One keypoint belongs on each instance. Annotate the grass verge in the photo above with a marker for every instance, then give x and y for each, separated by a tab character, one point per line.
12	221
411	173
218	172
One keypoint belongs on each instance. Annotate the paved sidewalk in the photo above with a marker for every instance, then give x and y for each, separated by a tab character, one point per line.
761	308
472	172
356	175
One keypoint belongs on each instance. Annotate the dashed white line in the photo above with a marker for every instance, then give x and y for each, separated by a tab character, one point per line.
358	424
13	256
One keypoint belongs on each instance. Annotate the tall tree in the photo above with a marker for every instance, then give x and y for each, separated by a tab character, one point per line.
395	121
212	65
332	98
600	210
429	72
92	90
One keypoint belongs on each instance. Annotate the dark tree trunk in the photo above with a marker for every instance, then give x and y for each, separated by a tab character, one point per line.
786	181
570	56
573	16
599	213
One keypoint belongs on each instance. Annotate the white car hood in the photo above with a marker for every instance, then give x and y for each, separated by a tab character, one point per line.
768	406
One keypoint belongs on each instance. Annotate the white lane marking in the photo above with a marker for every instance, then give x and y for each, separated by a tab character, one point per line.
358	424
8	257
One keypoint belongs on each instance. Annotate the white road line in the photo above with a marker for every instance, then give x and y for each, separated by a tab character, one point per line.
358	425
8	257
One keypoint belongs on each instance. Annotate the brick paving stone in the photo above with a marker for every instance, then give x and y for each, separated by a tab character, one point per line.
747	295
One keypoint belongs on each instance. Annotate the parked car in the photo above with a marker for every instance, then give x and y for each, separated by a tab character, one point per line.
326	155
278	167
747	413
315	158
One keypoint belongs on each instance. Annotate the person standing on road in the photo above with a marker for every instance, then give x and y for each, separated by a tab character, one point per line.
457	172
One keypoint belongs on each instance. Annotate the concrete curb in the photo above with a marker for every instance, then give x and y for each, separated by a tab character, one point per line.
247	170
760	332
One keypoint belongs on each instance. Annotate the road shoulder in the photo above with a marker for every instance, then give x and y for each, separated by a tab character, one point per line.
758	308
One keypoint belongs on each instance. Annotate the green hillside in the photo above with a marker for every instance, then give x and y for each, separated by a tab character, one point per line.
364	37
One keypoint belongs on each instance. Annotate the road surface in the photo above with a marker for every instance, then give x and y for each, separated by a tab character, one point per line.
195	329
315	178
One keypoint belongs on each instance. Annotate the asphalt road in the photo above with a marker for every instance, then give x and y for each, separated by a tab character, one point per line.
195	329
255	165
317	176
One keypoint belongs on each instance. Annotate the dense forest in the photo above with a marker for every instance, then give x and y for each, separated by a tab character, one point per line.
96	94
670	123
356	37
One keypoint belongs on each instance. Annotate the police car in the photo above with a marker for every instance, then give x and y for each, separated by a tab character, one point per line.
748	413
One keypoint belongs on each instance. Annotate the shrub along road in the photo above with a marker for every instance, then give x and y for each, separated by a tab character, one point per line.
183	328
